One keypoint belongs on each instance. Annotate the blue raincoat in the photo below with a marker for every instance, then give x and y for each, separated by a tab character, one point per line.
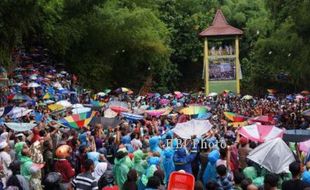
210	171
183	160
167	163
154	144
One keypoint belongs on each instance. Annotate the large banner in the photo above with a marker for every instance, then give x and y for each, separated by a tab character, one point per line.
222	69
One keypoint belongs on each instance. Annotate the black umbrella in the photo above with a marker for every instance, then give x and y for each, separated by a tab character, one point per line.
106	122
296	135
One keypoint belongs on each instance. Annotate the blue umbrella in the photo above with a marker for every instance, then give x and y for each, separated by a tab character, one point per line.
204	116
132	117
290	97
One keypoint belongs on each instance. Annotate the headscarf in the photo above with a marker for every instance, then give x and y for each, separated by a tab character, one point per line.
99	170
94	156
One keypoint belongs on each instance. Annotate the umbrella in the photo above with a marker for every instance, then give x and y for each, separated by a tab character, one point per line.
132	117
20	97
273	155
290	97
193	110
5	110
49	102
263	119
204	116
33	85
306	113
271	91
108	113
101	94
47	96
304	146
122	90
77	106
96	103
20	126
234	117
107	91
155	113
56	107
299	97
178	94
164	101
57	85
238	124
212	94
247	97
296	135
18	112
193	127
271	97
305	92
78	121
106	122
118	106
260	133
33	77
80	110
64	103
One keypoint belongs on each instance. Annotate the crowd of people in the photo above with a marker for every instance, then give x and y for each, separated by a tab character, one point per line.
134	153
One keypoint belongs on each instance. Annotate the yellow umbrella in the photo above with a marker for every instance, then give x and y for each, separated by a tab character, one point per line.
56	107
193	110
238	124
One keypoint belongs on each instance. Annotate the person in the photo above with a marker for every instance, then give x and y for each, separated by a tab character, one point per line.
131	182
210	171
153	183
161	175
238	177
243	152
120	169
183	161
295	183
271	182
17	180
167	163
224	178
5	161
85	180
138	163
198	185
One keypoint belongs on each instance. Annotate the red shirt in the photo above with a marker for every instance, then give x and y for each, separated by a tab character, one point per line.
65	169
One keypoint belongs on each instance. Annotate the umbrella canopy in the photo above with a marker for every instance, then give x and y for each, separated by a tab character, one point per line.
263	119
106	122
21	97
81	110
96	103
33	85
299	97
204	116
193	110
164	101
238	124
296	135
178	94
78	121
5	110
55	107
132	117
20	126
18	112
193	127
108	113
122	90
64	103
155	113
271	91
305	92
101	94
77	106
234	117
247	97
304	146
306	113
47	96
118	106
273	155
260	133
212	94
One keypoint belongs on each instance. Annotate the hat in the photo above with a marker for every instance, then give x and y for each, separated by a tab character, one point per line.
3	145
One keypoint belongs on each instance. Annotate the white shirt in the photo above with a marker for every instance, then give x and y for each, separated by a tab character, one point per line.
5	160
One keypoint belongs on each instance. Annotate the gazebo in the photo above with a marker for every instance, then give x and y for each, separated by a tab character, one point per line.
221	69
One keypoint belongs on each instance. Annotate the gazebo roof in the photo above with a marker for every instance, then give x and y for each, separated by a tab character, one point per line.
220	27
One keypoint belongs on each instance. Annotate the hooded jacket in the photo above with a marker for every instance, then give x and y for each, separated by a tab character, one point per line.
120	171
138	163
167	163
210	171
154	144
182	160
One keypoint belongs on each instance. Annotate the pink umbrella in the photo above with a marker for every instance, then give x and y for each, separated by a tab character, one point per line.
263	119
178	94
155	113
164	101
304	146
260	133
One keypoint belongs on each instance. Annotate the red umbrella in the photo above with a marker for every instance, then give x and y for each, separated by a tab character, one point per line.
263	119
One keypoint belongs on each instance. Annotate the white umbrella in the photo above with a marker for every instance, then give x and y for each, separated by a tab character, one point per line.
80	110
109	113
193	127
212	94
247	97
273	155
57	85
64	103
20	126
18	112
101	94
77	106
33	85
49	101
33	77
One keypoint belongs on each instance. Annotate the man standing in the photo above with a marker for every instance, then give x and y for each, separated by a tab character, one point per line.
5	161
85	180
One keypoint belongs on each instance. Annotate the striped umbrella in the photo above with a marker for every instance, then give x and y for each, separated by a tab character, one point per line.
193	110
132	117
261	133
78	121
234	117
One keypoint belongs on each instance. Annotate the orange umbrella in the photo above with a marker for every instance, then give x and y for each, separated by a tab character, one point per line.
305	92
272	90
